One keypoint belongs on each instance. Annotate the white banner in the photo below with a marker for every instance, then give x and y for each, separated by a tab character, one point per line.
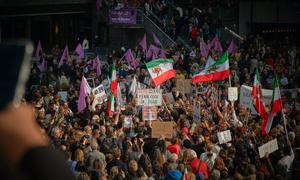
246	97
232	93
269	147
149	97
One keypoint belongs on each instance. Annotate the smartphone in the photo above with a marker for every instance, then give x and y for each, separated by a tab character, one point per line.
15	58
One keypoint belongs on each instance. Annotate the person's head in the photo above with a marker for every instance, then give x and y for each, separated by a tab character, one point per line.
88	130
133	166
56	132
79	155
116	153
94	146
83	176
97	164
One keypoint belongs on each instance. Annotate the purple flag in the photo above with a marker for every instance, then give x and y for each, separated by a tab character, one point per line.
98	4
130	59
84	91
162	54
156	40
79	50
232	48
64	56
152	52
38	49
215	43
143	43
42	65
97	66
204	51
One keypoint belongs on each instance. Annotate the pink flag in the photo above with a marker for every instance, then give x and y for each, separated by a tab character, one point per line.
97	66
204	51
42	65
232	48
143	43
152	52
38	49
98	4
64	56
156	40
84	91
79	50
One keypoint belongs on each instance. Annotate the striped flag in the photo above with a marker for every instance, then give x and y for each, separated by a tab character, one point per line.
113	91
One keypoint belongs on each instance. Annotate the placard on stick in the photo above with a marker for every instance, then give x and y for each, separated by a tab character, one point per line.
149	113
232	93
162	129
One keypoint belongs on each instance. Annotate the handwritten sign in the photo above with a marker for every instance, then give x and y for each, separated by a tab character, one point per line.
269	147
149	113
232	93
184	85
224	136
149	97
162	129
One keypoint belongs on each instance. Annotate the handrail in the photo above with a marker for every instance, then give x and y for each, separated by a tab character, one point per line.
166	35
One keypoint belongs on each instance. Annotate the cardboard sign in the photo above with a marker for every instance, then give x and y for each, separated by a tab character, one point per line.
269	147
63	95
184	85
149	97
149	113
224	136
169	98
232	93
162	129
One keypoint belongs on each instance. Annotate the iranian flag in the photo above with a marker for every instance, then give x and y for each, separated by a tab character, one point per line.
161	70
276	105
113	91
215	72
259	104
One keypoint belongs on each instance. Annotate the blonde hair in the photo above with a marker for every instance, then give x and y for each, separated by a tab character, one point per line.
79	155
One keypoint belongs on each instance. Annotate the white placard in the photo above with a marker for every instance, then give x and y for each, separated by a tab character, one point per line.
224	136
232	93
99	96
149	97
269	147
149	113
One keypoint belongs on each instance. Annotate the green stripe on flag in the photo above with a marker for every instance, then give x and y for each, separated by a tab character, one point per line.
222	59
156	62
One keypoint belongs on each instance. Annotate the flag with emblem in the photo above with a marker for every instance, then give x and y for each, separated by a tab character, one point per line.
215	72
113	91
259	104
161	70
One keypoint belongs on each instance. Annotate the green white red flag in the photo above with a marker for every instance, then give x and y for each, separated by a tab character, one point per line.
215	72
259	104
276	105
113	91
161	70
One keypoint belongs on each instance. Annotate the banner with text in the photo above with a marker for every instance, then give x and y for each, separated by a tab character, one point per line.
149	97
123	16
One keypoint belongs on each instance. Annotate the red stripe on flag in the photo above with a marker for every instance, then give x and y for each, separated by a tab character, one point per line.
212	77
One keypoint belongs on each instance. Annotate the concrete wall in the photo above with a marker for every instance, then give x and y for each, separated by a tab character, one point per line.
281	11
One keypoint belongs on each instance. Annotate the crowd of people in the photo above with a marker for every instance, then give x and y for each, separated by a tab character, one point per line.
99	146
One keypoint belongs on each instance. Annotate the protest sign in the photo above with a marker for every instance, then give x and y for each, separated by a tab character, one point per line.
184	85
149	113
149	97
269	147
99	96
127	122
162	129
232	93
196	111
224	136
91	82
169	98
63	95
